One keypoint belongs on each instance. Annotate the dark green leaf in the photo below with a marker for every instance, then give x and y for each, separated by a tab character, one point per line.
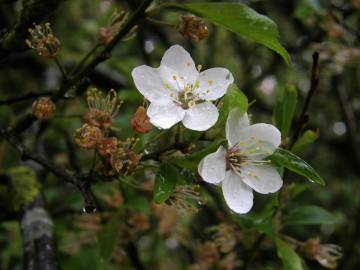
307	215
263	220
289	258
307	138
285	109
234	98
165	182
108	239
282	157
192	161
242	20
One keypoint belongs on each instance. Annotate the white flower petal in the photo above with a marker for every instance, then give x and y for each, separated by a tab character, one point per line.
235	122
212	168
214	82
177	68
165	116
201	116
238	196
262	178
259	140
147	80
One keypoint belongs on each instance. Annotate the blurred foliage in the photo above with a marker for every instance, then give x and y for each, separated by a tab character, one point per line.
131	231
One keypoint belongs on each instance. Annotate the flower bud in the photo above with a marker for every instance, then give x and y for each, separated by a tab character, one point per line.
208	253
139	222
355	4
224	237
326	254
107	146
43	41
185	199
140	121
124	160
106	34
102	109
43	108
193	28
88	136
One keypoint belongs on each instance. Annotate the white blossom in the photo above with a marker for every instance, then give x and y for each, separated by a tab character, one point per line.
178	91
241	168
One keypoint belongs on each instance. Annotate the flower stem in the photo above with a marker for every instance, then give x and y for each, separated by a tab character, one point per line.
60	67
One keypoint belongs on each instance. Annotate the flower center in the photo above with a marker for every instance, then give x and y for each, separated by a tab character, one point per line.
237	158
234	159
186	95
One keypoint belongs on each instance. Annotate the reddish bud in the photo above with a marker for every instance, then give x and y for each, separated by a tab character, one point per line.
43	41
88	136
193	28
107	146
140	121
43	108
106	34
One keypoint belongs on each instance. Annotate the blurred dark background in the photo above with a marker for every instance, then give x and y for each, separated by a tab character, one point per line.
305	26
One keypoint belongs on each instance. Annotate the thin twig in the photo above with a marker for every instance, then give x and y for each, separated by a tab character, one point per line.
25	97
60	67
73	80
314	82
81	182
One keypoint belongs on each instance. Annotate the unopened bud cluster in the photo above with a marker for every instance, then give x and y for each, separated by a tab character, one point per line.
43	108
192	27
107	33
117	156
140	121
186	199
43	41
325	254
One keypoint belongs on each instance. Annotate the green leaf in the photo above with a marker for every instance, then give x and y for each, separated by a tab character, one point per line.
263	220
165	182
192	161
307	138
234	98
285	109
282	157
309	215
108	240
289	258
242	20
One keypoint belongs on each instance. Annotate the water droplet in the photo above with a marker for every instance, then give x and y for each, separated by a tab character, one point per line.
89	209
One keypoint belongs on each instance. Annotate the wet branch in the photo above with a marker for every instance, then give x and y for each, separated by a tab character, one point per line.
314	82
74	79
33	11
38	238
25	97
81	182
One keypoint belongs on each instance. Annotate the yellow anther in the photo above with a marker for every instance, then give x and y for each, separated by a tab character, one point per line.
191	103
167	86
174	77
210	82
199	67
197	84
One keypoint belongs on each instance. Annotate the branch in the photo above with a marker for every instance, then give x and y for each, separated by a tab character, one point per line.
349	115
314	82
32	11
81	182
24	97
74	79
38	238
